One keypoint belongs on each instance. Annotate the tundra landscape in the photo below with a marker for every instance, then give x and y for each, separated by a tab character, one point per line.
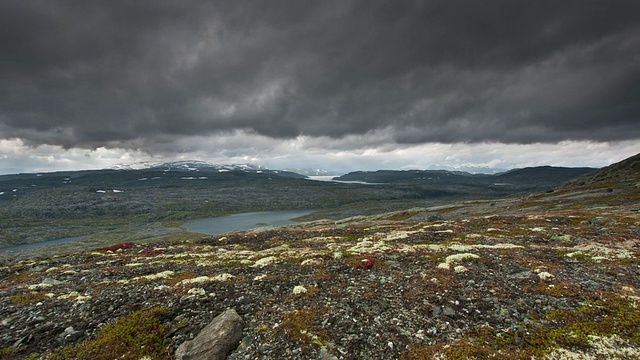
332	180
547	274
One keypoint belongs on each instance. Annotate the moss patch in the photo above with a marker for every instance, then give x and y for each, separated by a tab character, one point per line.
132	337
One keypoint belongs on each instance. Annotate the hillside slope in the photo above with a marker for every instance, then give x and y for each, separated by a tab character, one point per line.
622	175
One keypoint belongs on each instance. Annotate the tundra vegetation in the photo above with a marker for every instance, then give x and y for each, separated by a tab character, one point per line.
543	276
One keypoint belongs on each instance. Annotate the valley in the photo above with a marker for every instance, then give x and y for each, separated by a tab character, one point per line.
101	203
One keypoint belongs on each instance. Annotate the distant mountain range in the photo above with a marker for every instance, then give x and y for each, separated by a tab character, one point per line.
190	165
197	165
530	177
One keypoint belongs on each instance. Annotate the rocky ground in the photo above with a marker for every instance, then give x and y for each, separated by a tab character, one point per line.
538	277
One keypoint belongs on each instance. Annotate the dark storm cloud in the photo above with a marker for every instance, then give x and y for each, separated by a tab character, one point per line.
119	73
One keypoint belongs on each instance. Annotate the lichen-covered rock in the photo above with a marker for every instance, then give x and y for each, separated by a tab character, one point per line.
216	340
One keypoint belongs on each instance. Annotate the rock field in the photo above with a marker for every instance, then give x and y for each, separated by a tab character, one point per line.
548	276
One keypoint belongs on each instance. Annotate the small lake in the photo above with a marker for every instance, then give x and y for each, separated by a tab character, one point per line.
244	221
43	243
208	226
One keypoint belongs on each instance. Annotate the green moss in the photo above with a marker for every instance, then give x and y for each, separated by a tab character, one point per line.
299	325
26	298
134	336
5	352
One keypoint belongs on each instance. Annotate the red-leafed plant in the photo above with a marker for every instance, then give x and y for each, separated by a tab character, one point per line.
365	263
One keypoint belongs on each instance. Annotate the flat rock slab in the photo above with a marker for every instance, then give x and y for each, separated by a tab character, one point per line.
216	340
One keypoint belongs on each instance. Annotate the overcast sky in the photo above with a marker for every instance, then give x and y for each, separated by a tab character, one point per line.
344	85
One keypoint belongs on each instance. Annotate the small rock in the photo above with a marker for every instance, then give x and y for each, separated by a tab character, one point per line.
521	275
216	340
598	221
324	354
51	281
447	311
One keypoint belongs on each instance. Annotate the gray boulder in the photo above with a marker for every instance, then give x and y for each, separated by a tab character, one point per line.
216	340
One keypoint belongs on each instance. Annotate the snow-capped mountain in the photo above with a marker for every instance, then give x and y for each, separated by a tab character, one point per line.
314	172
193	165
203	166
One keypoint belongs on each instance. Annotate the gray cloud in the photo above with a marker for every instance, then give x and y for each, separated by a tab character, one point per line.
142	74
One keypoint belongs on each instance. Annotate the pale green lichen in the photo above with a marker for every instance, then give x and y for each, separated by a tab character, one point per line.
197	292
601	347
161	275
75	295
598	252
202	279
446	265
545	275
460	269
311	262
39	286
299	289
265	261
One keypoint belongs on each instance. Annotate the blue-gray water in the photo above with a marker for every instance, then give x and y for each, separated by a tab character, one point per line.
244	221
209	226
43	243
